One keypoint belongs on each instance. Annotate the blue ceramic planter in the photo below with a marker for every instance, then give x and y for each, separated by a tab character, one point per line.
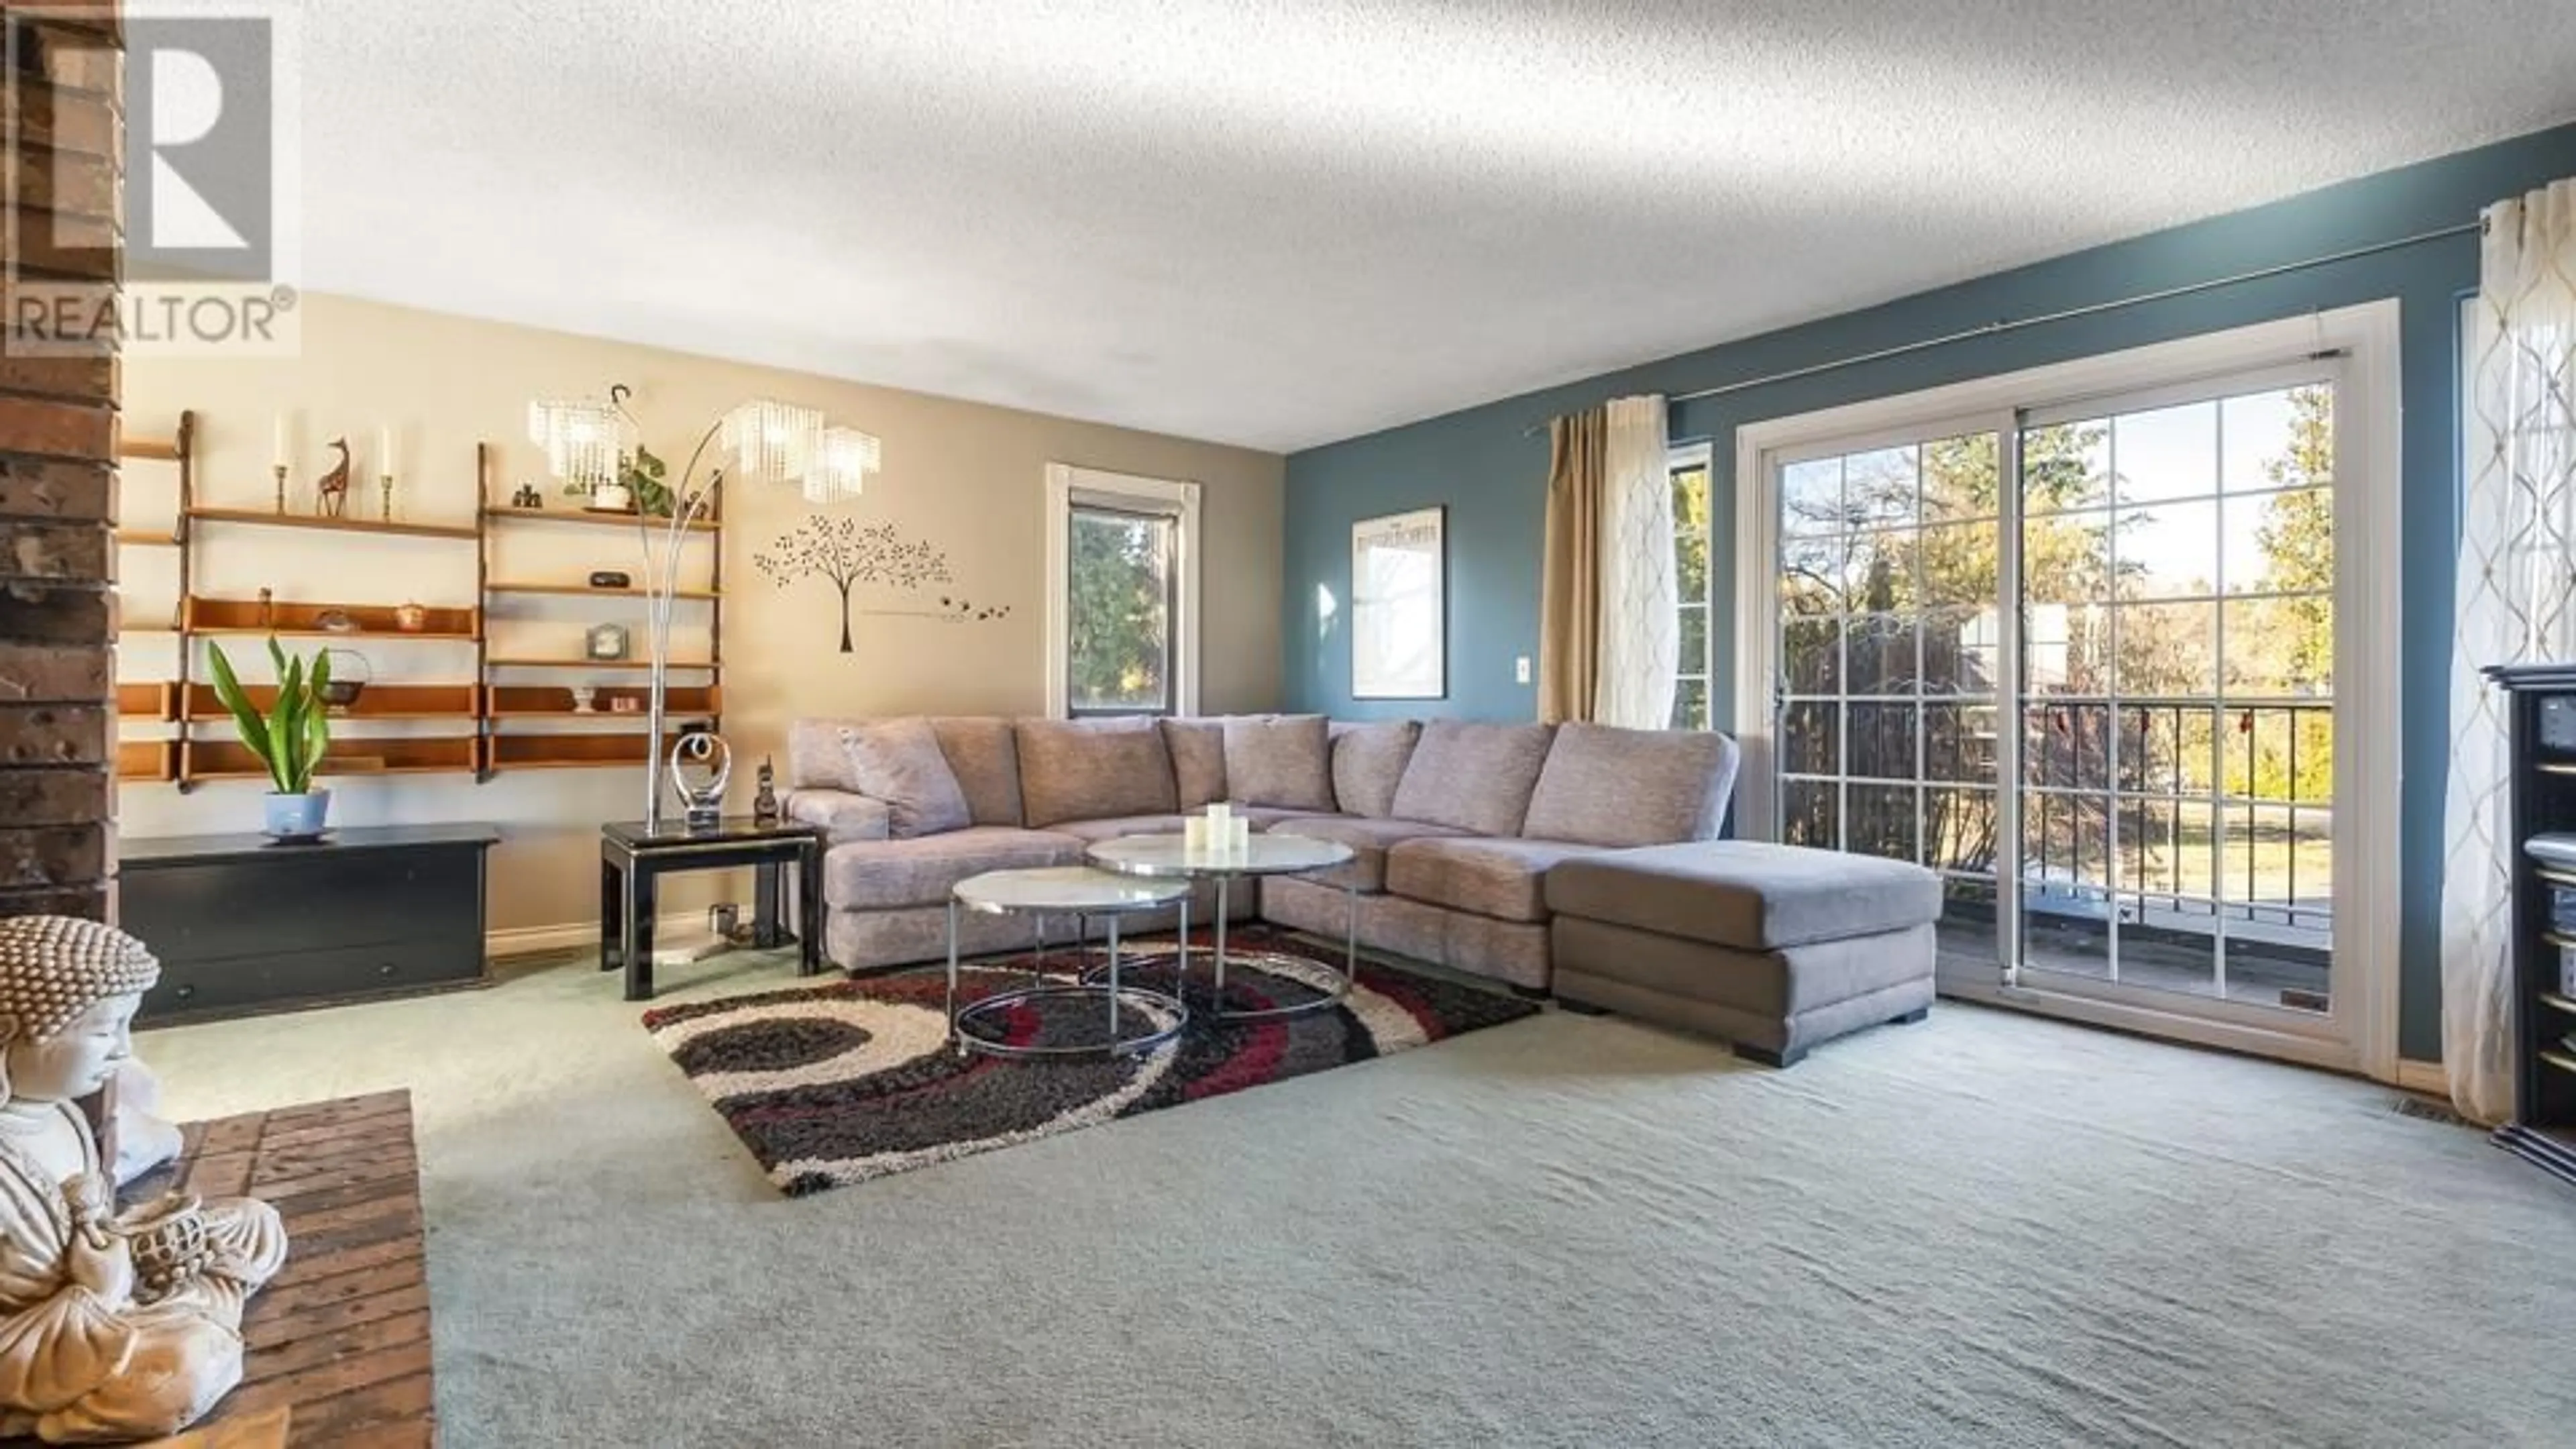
297	817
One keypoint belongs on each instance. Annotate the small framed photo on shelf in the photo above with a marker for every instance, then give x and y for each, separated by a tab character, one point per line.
605	642
1400	606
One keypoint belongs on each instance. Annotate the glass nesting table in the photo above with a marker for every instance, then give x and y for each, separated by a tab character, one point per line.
1166	859
1084	894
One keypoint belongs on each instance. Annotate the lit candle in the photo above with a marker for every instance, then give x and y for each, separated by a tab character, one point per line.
385	451
285	450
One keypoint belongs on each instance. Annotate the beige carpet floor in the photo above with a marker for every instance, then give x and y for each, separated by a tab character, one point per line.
1984	1230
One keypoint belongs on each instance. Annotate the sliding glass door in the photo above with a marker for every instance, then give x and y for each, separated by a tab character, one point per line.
1890	664
2080	660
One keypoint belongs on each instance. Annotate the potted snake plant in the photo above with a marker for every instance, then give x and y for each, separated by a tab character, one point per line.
290	737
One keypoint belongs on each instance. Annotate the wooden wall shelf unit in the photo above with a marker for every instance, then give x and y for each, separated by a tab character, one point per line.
203	748
569	751
557	750
148	700
568	663
631	591
146	762
373	621
571	514
391	755
545	701
256	518
376	701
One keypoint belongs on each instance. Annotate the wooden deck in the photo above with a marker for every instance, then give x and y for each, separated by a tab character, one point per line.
340	1338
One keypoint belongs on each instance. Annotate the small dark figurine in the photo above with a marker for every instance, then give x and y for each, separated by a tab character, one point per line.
764	804
527	497
335	484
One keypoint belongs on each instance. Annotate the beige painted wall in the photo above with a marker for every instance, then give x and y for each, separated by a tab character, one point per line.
965	478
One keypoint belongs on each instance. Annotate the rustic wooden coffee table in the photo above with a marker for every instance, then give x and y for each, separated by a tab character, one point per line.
339	1340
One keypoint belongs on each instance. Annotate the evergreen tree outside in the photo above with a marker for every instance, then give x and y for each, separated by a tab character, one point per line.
1118	645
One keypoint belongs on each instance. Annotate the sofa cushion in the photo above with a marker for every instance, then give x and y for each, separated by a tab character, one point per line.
815	757
1198	760
1747	894
843	815
879	875
898	761
1631	787
1093	770
984	754
1280	760
1368	839
1368	763
1476	777
1116	826
1263	817
1504	879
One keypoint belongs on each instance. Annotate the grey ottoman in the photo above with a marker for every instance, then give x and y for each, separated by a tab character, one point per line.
1773	947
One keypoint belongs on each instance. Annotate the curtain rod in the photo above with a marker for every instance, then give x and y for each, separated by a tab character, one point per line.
2015	324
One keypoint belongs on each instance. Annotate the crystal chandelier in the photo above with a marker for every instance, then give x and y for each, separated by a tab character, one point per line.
772	442
762	441
585	438
841	468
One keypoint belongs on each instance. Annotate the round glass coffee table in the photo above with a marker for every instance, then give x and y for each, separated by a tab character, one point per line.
1169	858
1084	894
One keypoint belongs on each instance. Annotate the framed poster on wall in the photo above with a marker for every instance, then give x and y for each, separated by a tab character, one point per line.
1400	606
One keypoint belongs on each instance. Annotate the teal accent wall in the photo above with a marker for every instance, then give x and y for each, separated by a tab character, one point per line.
1492	475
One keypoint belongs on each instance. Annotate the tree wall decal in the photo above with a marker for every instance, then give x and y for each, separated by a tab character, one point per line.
847	553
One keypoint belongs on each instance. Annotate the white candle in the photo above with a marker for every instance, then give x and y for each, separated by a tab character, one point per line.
385	451
1239	839
1194	836
285	450
1218	812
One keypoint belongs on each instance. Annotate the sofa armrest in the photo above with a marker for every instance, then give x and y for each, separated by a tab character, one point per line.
844	816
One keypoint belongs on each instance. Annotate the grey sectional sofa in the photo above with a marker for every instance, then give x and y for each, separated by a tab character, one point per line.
1453	826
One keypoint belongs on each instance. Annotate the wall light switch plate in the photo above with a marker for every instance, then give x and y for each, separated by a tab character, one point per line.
1520	670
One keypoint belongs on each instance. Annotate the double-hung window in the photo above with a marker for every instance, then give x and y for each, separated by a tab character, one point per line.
1122	594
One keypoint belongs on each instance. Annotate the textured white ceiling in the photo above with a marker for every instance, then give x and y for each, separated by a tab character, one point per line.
1280	222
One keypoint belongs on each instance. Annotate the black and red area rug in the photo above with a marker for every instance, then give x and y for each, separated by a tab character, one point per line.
837	1084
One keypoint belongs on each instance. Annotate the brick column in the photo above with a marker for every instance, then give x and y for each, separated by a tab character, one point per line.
63	149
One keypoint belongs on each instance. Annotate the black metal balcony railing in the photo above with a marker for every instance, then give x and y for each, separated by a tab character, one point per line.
2228	781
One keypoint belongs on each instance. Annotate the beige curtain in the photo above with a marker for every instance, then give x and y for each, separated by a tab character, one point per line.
1569	632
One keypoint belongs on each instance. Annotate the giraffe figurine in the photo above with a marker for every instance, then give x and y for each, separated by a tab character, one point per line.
334	490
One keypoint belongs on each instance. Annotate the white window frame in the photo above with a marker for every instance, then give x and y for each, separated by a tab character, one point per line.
1068	485
2368	547
1681	457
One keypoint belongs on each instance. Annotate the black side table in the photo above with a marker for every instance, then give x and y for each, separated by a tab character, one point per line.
632	860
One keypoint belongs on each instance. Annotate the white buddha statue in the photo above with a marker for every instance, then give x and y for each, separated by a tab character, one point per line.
112	1326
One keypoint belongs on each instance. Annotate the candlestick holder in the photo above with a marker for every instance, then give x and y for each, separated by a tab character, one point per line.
385	482
280	471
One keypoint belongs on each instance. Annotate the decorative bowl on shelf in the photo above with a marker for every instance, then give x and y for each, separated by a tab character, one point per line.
410	618
349	675
610	579
335	621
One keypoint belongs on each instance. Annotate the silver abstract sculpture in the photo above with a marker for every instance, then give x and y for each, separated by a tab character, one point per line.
701	765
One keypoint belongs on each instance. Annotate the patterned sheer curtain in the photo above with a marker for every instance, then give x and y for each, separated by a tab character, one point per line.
1640	614
2516	604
